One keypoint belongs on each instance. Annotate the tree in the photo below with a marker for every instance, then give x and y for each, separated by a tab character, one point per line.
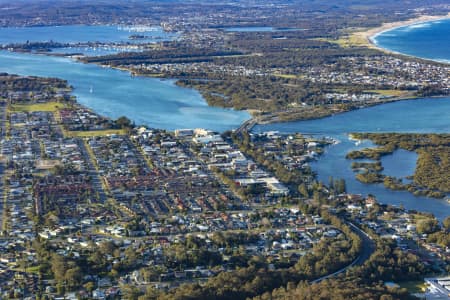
123	122
59	267
74	277
446	223
427	226
341	186
303	190
89	286
131	293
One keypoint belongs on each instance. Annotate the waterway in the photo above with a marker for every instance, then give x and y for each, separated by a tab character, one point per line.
83	33
114	93
420	116
75	34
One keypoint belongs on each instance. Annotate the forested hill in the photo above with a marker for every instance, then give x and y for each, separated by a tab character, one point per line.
221	13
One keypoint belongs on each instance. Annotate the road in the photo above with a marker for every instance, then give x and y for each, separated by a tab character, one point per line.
96	179
247	126
368	247
2	164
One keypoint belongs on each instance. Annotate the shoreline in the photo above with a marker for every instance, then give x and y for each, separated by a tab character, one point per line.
274	117
262	121
370	34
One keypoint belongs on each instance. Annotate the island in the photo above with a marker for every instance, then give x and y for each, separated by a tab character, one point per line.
431	176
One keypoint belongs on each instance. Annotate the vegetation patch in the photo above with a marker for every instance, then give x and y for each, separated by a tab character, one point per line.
393	93
47	106
414	287
95	133
432	172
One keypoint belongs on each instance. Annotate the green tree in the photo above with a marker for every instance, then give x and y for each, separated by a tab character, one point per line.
73	277
59	267
427	226
446	223
123	122
131	293
303	190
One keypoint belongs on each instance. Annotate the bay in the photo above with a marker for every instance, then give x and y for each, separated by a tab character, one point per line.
428	40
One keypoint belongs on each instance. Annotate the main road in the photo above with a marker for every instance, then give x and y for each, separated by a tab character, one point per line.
368	247
2	164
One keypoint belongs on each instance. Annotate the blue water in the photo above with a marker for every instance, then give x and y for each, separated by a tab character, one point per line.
427	40
421	116
399	164
81	33
88	51
74	34
150	101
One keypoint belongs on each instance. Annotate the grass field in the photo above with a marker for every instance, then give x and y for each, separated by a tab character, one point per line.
289	76
350	40
395	93
94	133
414	286
48	106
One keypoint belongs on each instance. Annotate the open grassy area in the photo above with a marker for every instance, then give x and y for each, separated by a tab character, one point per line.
289	76
395	93
354	39
414	286
94	133
419	217
34	269
48	106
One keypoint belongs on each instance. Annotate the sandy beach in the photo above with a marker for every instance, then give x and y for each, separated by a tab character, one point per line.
371	33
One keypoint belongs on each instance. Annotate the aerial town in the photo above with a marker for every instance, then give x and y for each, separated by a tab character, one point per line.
157	208
107	191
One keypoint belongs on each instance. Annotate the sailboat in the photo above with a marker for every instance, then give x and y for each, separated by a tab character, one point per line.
91	90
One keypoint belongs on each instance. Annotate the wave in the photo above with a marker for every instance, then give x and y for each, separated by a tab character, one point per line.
442	60
421	25
389	34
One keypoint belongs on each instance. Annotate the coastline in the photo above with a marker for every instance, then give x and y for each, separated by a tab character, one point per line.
290	116
369	35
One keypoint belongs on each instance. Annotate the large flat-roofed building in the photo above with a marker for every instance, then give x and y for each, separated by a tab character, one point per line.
438	288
